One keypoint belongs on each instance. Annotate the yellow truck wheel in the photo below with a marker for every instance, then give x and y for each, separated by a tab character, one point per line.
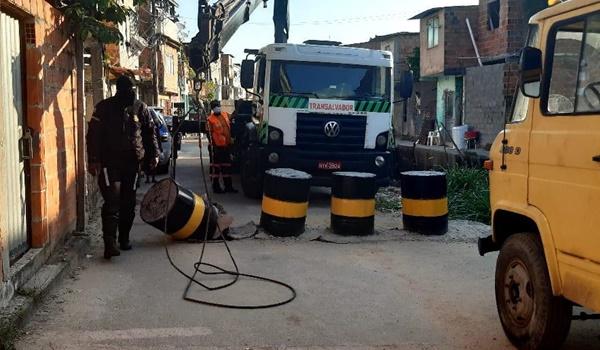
531	316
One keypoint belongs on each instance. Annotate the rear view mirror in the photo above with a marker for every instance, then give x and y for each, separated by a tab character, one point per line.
247	74
405	85
531	71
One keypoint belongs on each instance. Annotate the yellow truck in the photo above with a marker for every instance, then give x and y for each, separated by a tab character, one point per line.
545	180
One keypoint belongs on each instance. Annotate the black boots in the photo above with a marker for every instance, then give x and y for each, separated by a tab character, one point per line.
229	186
125	245
217	186
110	249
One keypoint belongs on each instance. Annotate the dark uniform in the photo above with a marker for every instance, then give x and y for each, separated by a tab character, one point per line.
120	138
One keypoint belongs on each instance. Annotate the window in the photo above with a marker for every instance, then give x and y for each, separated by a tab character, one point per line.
493	14
331	80
169	64
433	32
574	83
521	102
262	66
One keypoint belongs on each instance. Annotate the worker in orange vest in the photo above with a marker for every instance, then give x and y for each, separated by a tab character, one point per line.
219	134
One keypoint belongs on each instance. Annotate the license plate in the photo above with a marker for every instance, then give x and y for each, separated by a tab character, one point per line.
330	165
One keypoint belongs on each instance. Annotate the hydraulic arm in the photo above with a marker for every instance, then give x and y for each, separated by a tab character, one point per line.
218	22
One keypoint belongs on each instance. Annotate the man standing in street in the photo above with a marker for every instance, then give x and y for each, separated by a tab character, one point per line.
219	134
120	138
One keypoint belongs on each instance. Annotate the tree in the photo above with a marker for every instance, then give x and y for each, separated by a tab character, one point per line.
98	19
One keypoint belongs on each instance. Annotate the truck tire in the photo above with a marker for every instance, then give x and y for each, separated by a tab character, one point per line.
251	174
531	316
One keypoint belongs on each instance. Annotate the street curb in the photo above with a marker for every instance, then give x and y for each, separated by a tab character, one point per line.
27	299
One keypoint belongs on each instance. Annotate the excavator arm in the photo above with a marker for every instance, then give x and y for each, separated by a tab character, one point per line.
218	22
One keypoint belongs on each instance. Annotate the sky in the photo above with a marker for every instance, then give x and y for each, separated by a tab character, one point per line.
348	21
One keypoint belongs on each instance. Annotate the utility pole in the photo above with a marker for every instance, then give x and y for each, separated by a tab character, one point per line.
155	51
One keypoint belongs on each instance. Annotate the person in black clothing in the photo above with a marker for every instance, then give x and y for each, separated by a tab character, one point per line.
120	138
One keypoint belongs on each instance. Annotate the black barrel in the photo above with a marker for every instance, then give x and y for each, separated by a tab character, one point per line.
353	203
187	214
425	202
285	202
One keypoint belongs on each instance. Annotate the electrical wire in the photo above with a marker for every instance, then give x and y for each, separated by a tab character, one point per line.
236	274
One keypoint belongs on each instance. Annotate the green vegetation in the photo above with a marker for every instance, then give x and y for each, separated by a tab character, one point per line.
98	18
388	200
469	194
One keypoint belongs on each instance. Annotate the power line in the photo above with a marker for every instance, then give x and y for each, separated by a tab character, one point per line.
341	20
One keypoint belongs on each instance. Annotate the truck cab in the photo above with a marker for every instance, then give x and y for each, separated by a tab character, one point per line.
318	109
545	181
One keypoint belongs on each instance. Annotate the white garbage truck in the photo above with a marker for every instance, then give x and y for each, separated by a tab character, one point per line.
318	109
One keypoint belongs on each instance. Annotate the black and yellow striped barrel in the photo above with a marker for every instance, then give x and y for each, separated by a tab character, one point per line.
187	215
424	202
285	202
353	203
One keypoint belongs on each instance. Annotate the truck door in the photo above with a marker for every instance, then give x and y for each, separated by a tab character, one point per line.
564	181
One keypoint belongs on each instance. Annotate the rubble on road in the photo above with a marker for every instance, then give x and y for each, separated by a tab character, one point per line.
459	231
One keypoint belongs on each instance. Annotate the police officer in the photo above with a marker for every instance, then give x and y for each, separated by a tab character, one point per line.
219	134
120	138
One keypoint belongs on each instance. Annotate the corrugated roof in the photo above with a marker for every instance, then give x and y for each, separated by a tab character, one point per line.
433	10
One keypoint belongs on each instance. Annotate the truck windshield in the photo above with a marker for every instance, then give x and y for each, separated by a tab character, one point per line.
330	80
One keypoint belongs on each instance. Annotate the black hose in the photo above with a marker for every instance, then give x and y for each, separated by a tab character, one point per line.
236	274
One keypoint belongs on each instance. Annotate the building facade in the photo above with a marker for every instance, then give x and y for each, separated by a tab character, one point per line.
407	115
446	50
158	25
38	140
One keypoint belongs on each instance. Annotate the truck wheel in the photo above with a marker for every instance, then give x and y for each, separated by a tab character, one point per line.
251	175
531	316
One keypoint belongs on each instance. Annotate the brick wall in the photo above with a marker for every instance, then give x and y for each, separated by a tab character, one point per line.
50	111
458	48
510	36
485	102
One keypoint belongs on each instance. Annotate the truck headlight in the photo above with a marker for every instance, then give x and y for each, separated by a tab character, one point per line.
381	140
273	158
379	161
275	135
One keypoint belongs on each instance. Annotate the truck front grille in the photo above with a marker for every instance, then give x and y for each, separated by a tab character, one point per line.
310	132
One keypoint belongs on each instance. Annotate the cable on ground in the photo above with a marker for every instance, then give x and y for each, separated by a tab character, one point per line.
236	274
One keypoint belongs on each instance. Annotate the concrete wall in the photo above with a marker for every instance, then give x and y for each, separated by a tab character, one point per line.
485	104
50	110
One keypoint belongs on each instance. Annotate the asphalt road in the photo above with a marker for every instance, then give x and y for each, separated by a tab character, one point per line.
384	295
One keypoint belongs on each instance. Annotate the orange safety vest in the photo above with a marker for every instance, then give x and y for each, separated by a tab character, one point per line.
219	128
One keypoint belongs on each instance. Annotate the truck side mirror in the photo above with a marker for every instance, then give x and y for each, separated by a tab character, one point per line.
405	85
247	74
531	71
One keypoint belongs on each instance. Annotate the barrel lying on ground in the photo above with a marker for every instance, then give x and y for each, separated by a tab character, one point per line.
424	202
353	203
187	215
285	202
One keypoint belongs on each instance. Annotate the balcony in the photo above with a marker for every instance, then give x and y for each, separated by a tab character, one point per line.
169	29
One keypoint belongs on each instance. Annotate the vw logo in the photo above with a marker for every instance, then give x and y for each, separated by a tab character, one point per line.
332	129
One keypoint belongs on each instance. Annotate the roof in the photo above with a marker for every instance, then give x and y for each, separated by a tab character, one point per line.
433	10
382	37
331	54
387	36
566	6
